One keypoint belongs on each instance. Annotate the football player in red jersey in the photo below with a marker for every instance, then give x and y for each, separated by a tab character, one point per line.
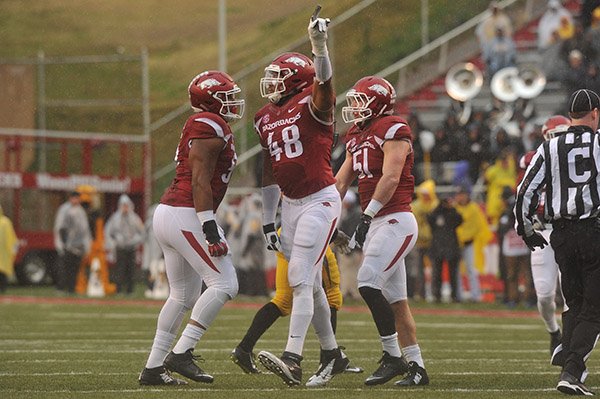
193	244
379	152
544	268
296	132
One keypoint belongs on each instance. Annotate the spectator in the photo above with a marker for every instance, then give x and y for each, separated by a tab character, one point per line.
499	53
566	29
574	76
422	206
475	148
473	234
551	23
124	233
501	174
8	250
59	241
444	149
580	41
76	239
498	20
516	255
444	247
592	78
588	11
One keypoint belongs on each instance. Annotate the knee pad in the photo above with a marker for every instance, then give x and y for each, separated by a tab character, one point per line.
303	302
229	287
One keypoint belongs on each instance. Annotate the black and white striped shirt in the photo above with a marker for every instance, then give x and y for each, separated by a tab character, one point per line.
567	166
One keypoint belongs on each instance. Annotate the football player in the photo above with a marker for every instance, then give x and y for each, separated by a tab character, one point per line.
194	246
296	132
544	268
281	306
379	152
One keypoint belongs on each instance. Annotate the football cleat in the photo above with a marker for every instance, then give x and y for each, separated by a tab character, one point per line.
158	376
389	367
416	376
183	363
332	362
570	385
245	360
287	367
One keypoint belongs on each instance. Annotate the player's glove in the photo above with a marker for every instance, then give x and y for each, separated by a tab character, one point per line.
216	245
341	240
360	234
317	33
535	240
273	243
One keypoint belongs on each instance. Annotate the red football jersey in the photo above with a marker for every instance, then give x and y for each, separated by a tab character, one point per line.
203	125
366	147
299	144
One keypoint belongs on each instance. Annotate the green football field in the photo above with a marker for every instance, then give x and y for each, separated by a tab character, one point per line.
52	347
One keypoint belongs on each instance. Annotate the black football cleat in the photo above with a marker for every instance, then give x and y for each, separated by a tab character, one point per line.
245	360
287	367
183	363
570	385
333	362
416	376
158	376
389	367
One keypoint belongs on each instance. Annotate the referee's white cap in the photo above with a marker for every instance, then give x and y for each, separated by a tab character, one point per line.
584	100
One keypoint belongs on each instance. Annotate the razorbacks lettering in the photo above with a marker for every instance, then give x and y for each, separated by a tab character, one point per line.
299	145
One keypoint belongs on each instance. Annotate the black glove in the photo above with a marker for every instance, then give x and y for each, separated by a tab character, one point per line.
360	234
535	240
216	245
271	237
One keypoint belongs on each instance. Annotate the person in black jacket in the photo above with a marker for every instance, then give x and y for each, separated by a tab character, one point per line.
444	246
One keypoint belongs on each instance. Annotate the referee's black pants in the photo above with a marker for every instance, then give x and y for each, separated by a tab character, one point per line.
576	247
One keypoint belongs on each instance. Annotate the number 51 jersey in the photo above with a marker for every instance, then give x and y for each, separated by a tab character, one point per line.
299	145
366	147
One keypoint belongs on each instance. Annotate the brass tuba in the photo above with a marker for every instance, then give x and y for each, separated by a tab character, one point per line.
463	83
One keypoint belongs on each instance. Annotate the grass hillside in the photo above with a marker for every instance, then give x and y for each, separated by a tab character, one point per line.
182	40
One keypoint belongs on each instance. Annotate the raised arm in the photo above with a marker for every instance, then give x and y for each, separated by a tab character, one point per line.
323	97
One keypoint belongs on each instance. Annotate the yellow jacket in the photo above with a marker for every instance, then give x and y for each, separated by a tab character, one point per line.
475	229
497	177
8	245
425	203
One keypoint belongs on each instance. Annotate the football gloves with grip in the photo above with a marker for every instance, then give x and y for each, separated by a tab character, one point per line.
216	245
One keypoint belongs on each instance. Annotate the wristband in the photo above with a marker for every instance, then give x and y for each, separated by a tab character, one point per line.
204	216
373	207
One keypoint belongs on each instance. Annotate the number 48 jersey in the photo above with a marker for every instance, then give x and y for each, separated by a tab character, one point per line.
203	125
299	145
366	147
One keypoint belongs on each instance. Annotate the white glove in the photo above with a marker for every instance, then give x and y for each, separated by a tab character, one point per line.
317	33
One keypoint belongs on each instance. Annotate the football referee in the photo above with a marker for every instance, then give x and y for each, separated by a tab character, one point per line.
567	167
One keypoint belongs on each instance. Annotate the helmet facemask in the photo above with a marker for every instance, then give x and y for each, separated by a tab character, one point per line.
358	107
231	108
272	85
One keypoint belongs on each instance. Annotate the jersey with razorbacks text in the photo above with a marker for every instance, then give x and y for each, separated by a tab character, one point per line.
203	125
366	147
299	145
